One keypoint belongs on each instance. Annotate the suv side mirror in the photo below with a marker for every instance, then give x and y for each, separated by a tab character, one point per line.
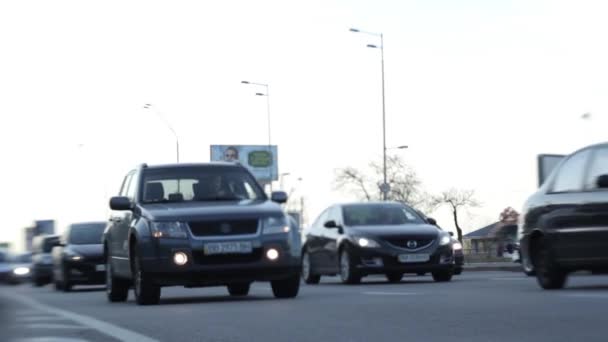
279	197
602	182
431	220
331	224
451	233
121	203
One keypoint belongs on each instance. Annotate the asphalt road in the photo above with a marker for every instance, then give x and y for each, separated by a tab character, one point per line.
478	306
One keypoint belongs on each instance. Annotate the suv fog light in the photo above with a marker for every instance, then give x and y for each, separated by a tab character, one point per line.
180	258
272	254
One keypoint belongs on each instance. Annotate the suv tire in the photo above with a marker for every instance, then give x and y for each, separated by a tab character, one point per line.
442	276
239	289
548	273
146	292
286	288
117	289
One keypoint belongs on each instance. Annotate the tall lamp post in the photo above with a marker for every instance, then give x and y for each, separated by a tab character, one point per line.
151	107
267	95
385	188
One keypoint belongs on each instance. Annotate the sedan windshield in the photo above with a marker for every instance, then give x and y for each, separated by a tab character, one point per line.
86	234
199	183
376	215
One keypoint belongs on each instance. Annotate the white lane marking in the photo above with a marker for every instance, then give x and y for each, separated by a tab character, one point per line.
587	295
39	318
379	293
53	326
50	339
105	328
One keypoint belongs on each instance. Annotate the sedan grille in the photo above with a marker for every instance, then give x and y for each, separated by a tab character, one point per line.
224	227
410	243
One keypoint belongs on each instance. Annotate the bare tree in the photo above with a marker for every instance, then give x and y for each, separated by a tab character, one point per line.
456	200
405	186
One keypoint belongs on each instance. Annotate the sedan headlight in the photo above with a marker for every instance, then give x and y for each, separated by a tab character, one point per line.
445	240
21	271
170	230
367	243
275	225
456	246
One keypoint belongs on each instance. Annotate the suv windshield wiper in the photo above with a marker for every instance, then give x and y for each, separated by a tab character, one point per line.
218	198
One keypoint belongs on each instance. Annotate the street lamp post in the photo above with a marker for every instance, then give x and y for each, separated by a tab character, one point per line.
384	187
267	94
149	106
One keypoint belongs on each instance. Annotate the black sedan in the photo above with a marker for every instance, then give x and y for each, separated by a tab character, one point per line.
565	223
79	260
356	240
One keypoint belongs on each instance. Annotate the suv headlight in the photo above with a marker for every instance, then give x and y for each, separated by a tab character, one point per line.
275	225
445	239
456	246
170	230
366	242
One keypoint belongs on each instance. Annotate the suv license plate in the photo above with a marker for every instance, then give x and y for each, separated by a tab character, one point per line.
100	267
238	247
408	258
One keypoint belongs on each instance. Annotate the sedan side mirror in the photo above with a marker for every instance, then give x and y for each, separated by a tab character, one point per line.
451	233
602	182
279	197
431	220
121	203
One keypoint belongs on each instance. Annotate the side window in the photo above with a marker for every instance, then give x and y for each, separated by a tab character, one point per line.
570	175
334	214
321	220
125	184
132	185
598	167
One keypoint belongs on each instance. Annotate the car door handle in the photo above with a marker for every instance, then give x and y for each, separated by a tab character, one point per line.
116	219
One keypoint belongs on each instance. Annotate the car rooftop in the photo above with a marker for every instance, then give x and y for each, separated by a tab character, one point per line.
206	164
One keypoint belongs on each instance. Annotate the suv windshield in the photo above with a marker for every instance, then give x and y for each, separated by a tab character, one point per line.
374	215
86	234
199	183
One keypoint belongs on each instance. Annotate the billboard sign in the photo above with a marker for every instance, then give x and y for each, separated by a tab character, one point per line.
261	160
546	165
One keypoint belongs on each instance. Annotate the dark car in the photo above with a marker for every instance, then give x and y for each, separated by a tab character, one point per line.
564	225
456	246
79	260
356	240
14	268
198	225
42	261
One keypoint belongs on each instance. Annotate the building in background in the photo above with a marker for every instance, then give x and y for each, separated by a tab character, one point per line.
38	227
261	160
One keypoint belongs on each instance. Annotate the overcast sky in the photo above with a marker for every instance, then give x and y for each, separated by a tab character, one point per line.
476	89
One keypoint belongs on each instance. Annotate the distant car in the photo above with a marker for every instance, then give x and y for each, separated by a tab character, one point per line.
198	225
42	261
565	223
360	239
14	268
78	260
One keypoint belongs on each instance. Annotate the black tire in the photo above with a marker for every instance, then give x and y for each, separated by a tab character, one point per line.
421	273
66	284
442	276
458	271
286	288
348	270
548	274
239	289
117	289
146	291
57	284
394	277
38	282
307	272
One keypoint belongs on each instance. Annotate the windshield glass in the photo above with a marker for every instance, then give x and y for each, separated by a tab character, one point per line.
24	258
375	215
199	183
86	234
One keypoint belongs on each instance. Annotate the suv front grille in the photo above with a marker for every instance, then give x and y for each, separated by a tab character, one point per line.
224	227
222	259
402	242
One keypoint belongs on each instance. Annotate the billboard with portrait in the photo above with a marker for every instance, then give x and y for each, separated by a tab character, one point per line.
261	160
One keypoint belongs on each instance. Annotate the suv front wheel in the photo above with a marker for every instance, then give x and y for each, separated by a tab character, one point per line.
146	292
117	289
286	288
548	273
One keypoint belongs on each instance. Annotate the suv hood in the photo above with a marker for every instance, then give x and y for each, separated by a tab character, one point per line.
413	230
189	211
